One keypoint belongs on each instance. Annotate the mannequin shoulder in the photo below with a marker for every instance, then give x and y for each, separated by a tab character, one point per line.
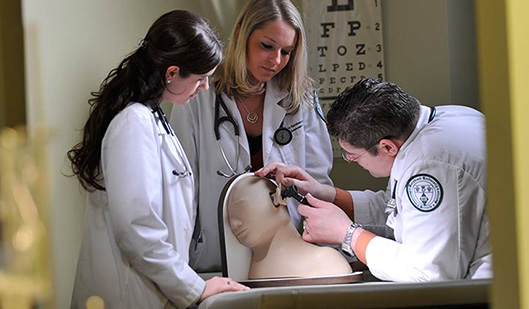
332	259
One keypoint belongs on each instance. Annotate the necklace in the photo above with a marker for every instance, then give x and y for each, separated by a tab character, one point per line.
251	117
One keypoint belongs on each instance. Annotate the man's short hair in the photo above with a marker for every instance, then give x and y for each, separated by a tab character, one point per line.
370	111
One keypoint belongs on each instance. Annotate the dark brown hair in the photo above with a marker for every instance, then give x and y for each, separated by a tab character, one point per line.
371	110
178	38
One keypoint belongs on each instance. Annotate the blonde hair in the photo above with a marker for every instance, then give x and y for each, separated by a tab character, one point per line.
232	75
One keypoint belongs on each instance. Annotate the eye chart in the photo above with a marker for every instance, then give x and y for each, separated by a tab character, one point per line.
345	44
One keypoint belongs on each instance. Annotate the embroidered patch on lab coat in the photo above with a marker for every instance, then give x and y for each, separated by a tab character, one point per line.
425	192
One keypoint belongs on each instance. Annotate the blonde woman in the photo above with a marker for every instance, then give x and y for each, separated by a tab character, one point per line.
261	108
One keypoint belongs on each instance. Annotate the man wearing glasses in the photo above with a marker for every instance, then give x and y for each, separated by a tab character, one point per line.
431	223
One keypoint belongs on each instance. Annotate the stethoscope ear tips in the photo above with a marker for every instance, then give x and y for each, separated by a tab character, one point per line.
181	174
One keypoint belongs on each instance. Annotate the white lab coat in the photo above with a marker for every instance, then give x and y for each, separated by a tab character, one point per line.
193	123
137	233
447	241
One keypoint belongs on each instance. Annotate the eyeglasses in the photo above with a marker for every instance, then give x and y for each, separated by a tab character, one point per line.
346	155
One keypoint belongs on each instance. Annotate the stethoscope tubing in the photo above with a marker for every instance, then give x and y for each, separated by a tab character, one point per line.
167	127
218	121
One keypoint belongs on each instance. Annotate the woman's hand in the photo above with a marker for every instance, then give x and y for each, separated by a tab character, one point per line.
218	285
290	175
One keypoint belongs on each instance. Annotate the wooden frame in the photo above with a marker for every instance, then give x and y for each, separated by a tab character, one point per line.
12	76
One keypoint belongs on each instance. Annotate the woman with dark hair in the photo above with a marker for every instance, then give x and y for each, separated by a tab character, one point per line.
140	211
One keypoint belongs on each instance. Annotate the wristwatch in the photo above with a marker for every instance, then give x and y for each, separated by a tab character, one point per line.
346	244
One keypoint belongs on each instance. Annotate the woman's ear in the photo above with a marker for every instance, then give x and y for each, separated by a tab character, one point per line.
390	147
171	72
236	32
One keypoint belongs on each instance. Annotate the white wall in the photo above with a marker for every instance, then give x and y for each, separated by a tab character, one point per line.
416	48
70	46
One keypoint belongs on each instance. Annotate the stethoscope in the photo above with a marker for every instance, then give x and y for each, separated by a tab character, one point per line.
163	120
218	121
282	136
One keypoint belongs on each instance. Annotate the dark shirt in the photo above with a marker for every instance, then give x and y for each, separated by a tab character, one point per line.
256	152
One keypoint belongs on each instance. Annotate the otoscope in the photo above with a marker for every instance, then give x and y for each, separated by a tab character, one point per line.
293	192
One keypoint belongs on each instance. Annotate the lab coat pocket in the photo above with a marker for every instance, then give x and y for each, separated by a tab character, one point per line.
196	249
174	163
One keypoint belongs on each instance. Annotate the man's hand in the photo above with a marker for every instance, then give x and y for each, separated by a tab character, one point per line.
290	175
324	222
218	285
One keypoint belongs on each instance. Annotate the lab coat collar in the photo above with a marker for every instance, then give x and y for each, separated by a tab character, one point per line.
401	156
273	115
421	123
273	112
171	146
273	93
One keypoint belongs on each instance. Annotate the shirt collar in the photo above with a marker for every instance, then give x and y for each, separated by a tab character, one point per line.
423	120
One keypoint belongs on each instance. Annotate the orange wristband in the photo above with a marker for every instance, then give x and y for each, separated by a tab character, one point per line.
344	200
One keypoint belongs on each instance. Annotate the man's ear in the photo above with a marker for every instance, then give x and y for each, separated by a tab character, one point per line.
390	147
171	72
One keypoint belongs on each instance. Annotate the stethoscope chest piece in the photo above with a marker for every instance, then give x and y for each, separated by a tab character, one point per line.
283	136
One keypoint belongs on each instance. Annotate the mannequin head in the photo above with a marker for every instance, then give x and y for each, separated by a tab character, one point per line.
253	217
277	248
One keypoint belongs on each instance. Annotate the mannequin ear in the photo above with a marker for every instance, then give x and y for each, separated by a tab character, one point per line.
389	147
236	225
171	71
